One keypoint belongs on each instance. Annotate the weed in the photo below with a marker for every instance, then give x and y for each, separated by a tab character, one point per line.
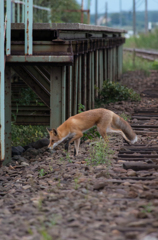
50	168
42	172
81	108
76	183
147	208
100	154
45	235
124	116
68	157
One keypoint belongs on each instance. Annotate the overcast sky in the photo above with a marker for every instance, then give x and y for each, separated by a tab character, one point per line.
114	5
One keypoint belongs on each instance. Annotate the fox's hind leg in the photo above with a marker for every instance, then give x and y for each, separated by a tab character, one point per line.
77	144
102	132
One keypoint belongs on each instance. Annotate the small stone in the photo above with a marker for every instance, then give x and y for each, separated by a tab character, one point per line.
24	164
131	173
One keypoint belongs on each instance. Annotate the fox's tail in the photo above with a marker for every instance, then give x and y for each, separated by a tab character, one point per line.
127	131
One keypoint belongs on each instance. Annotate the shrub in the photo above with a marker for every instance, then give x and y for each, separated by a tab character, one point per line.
114	92
23	135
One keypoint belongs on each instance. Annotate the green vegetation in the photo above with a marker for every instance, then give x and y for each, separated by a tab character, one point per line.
42	172
58	13
114	92
146	41
23	135
134	63
100	153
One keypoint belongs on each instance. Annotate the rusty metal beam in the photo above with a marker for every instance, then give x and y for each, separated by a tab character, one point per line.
39	59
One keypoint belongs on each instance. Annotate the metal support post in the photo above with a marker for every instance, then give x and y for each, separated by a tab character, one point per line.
75	107
7	115
63	99
13	12
18	13
114	64
100	69
85	81
105	65
8	36
79	80
96	73
28	26
110	65
69	91
23	12
2	85
89	80
57	93
92	79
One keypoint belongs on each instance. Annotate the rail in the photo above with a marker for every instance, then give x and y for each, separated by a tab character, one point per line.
149	55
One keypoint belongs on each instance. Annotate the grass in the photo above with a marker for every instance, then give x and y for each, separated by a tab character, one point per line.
129	64
146	41
100	153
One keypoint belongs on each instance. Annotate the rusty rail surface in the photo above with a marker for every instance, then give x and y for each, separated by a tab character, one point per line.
149	55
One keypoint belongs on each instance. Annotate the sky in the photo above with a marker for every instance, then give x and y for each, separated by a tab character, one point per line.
114	5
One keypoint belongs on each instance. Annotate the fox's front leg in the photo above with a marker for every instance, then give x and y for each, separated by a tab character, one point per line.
76	140
67	144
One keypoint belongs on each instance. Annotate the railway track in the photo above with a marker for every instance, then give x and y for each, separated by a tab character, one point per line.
141	165
150	55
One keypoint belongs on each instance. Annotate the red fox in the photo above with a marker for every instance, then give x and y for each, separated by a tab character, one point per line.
105	120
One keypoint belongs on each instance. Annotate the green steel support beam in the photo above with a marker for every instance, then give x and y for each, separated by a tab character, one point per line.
36	74
85	80
75	93
55	97
92	80
110	65
33	83
2	85
96	73
63	96
100	72
23	12
7	115
121	58
18	13
79	80
114	64
28	26
13	12
39	59
89	81
8	33
105	65
69	100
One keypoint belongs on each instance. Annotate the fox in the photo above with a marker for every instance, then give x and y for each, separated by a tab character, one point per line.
106	121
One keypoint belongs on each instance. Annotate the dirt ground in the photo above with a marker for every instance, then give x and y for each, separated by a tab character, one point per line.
75	201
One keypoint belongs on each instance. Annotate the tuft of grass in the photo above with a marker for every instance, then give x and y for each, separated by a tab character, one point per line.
125	116
114	92
100	153
42	172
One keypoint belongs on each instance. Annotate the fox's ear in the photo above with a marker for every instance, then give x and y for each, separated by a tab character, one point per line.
55	132
49	130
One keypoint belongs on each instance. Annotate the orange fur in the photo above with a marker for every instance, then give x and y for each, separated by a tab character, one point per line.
105	120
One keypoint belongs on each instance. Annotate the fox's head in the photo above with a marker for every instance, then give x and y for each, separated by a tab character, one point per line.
54	138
